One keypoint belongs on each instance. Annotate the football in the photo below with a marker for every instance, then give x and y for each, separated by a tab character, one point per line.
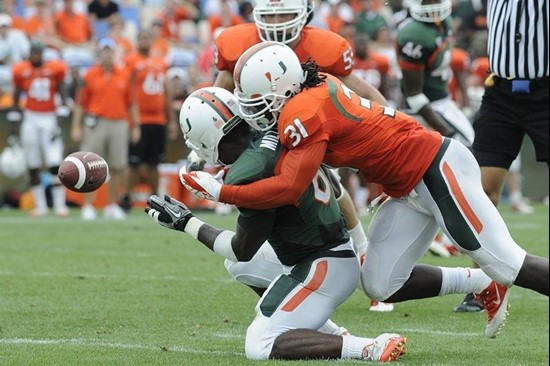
83	171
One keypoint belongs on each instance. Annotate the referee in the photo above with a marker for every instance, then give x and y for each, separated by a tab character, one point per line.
516	93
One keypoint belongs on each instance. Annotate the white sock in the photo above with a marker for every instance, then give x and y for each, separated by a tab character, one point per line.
58	197
463	281
39	195
359	239
352	347
516	197
329	328
361	196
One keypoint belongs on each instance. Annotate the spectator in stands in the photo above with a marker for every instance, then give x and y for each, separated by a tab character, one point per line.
14	45
103	10
73	28
212	7
334	21
8	8
173	13
124	46
154	99
40	25
106	99
245	11
160	46
369	21
225	18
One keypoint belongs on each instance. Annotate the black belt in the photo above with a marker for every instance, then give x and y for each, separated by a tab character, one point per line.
533	83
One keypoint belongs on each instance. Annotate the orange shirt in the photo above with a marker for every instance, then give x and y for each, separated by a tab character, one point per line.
73	28
39	83
125	45
331	124
170	23
216	22
18	23
160	47
37	26
460	62
149	74
480	68
335	23
106	95
372	69
332	53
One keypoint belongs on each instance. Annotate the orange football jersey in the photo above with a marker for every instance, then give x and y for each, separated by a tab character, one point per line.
39	83
389	147
333	125
332	53
480	68
372	69
149	74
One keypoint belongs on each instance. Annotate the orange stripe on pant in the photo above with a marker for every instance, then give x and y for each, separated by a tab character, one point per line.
464	205
313	285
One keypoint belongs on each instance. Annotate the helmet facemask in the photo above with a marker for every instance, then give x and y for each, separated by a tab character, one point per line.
430	13
284	32
262	112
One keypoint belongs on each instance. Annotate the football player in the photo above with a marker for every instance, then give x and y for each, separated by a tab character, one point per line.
425	45
434	182
318	268
40	132
285	21
154	100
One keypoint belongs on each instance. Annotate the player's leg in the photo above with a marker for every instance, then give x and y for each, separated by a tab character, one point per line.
296	304
135	161
94	139
117	158
454	116
154	153
30	140
261	271
518	202
390	272
451	189
52	150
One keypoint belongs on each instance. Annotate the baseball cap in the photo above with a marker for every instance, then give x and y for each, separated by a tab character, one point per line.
106	43
5	20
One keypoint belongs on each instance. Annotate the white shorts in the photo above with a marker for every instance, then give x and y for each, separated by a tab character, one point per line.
450	112
303	299
450	197
41	139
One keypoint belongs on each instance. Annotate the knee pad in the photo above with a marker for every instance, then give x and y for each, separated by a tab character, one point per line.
259	341
503	271
376	290
252	274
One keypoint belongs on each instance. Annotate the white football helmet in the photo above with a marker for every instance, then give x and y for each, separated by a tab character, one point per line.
206	116
285	32
266	76
430	11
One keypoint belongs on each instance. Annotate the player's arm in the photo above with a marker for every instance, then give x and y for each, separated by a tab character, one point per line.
420	104
82	95
363	89
170	115
297	170
240	245
225	80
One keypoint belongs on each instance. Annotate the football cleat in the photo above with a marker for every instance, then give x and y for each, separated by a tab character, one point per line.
386	347
379	306
37	212
495	300
468	305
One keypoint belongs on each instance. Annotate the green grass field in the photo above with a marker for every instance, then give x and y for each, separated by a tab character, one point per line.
133	293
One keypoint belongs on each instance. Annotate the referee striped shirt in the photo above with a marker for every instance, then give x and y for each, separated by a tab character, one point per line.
518	38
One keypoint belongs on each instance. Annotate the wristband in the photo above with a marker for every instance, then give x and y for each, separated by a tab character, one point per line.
222	245
193	226
417	102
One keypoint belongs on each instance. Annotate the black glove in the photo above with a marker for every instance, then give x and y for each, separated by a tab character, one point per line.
169	212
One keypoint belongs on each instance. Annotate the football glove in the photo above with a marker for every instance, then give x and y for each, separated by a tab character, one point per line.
202	184
194	162
168	212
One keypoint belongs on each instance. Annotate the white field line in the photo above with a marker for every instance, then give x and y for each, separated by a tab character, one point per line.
91	343
440	332
115	276
524	225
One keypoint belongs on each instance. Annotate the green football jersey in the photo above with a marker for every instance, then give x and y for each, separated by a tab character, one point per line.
314	225
427	47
